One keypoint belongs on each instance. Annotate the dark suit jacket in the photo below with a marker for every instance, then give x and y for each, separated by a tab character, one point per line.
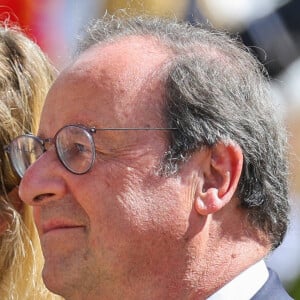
272	289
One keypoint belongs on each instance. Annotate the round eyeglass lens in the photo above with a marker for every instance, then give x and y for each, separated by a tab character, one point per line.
75	148
24	151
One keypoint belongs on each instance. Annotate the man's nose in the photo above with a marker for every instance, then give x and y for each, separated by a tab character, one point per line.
43	181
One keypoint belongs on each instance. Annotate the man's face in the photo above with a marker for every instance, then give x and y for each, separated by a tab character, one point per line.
121	225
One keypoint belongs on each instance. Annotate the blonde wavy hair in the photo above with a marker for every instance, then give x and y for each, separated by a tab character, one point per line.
25	76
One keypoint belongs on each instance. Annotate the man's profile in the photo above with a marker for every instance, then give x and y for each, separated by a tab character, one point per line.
159	170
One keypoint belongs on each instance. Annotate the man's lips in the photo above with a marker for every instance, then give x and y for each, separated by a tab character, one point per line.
59	224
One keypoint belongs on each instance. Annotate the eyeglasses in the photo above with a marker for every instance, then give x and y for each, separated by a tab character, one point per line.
74	145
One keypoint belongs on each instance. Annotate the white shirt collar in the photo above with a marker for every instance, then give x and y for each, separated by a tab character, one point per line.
239	288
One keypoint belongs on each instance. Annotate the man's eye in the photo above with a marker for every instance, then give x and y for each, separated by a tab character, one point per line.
79	147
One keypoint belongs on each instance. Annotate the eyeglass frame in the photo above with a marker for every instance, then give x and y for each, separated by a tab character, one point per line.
90	130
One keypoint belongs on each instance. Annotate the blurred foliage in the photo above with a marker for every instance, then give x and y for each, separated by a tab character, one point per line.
294	289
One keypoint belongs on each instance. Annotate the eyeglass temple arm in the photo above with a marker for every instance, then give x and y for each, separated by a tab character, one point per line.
94	129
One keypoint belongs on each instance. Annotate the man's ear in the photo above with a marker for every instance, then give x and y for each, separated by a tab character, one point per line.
221	174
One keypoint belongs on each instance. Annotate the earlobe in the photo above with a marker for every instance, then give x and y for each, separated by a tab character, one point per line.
220	178
207	202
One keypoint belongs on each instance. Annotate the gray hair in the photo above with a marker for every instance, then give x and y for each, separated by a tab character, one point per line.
216	91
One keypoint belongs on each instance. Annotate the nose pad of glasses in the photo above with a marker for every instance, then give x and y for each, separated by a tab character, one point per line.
47	143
